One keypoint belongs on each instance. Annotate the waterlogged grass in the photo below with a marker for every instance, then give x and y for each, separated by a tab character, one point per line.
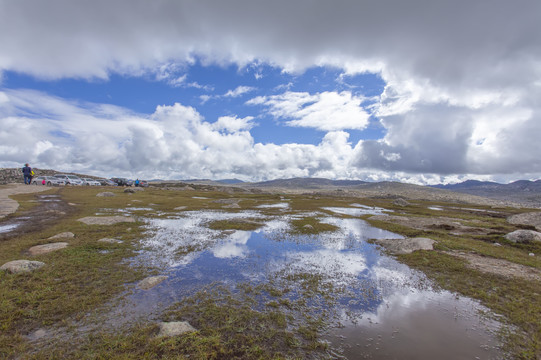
236	224
228	327
311	225
518	300
275	320
74	282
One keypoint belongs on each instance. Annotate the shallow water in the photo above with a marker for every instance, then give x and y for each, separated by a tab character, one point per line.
8	227
383	309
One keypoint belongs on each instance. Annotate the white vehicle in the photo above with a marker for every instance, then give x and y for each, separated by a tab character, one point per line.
49	180
91	182
70	179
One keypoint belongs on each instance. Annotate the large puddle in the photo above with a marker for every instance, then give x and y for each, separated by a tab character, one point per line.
379	308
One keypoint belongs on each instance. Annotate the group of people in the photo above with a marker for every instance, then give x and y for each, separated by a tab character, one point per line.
28	174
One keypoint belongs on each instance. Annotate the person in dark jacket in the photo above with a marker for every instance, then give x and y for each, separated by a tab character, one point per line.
27	172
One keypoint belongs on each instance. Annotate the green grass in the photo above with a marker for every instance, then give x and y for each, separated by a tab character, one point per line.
517	299
81	279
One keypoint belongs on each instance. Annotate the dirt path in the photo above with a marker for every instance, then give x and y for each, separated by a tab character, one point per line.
8	205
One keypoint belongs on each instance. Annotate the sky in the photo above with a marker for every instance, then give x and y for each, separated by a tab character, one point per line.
417	91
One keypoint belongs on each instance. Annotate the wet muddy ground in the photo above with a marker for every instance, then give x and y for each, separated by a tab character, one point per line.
375	307
49	209
372	306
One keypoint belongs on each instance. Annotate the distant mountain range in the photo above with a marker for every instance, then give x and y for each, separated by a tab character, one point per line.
308	183
489	186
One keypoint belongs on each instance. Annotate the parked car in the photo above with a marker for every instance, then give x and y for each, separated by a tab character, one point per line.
143	183
122	181
49	180
107	182
69	179
91	182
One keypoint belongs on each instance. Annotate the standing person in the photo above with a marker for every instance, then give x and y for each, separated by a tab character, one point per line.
137	183
27	172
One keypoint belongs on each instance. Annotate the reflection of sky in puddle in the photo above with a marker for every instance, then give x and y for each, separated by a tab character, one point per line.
273	206
7	228
356	211
402	312
437	208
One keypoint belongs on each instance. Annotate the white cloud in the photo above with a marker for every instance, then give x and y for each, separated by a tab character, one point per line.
327	111
462	78
239	91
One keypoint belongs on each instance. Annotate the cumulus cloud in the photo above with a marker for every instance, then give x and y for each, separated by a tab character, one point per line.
327	111
239	91
461	97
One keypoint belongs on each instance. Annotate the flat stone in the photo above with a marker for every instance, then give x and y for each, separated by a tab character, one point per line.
66	234
110	241
47	248
524	236
175	328
133	190
530	218
106	220
21	266
406	246
150	282
401	202
180	208
105	194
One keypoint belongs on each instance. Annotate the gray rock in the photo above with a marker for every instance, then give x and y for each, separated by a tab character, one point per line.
133	190
105	194
308	227
66	234
401	202
406	246
524	236
47	248
106	220
21	266
110	241
180	208
531	254
150	282
175	328
530	218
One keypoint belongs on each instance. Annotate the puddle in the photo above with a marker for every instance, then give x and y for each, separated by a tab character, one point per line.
357	211
437	208
380	309
8	227
273	206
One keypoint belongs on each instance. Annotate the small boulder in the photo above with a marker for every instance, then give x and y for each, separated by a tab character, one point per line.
105	194
530	218
150	282
524	236
110	241
66	234
21	266
406	246
106	220
401	202
175	328
133	190
47	248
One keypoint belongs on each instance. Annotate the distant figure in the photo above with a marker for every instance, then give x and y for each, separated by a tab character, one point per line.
27	172
136	182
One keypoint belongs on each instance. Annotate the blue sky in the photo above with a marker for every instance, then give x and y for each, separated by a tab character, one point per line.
424	93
